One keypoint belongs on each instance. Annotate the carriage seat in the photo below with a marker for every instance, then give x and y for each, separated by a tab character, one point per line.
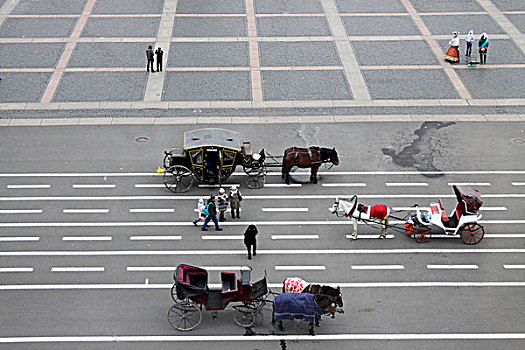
197	279
229	281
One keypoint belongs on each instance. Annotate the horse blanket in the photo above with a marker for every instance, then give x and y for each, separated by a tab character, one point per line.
294	285
296	306
375	211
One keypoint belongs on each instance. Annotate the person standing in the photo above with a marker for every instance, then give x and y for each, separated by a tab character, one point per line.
211	214
235	202
223	204
250	240
469	39
483	47
200	208
150	57
159	54
452	54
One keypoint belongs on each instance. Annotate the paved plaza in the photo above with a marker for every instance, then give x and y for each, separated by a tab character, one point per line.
90	54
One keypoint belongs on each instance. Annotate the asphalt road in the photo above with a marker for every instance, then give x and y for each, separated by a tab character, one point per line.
442	294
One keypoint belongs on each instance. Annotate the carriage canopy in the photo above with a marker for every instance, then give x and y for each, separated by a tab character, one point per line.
202	138
471	197
190	281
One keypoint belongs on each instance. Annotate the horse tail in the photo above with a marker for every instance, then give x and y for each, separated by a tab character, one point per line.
284	284
283	168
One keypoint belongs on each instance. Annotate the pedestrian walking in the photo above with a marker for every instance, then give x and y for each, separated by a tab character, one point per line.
211	214
150	57
469	39
452	54
159	54
250	240
483	47
222	201
235	202
200	208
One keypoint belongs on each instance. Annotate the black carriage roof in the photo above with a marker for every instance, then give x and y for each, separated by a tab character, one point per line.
212	138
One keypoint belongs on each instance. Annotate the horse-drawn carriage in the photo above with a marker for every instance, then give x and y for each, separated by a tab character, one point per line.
211	155
191	292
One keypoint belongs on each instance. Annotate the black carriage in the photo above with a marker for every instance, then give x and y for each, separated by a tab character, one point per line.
211	155
191	292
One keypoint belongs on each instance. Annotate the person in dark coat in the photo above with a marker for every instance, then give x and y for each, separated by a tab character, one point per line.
159	54
235	201
250	240
150	57
211	215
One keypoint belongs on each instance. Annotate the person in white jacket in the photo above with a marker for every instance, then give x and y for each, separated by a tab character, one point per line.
469	39
200	208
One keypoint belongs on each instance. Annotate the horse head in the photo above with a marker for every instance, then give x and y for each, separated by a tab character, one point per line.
326	302
334	158
334	292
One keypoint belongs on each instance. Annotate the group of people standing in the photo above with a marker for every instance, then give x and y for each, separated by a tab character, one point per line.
452	54
150	55
208	212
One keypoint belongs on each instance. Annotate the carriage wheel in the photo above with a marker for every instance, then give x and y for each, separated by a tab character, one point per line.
472	233
178	178
422	234
244	315
166	161
184	316
255	181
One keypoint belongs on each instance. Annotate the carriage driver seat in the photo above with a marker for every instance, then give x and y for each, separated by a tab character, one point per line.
229	281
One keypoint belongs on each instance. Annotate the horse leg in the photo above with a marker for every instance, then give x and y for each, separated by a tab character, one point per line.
384	225
280	325
354	223
317	319
313	176
311	328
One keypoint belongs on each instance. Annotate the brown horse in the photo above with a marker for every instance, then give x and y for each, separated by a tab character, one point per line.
311	158
298	285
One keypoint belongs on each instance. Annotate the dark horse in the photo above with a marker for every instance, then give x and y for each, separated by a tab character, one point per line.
298	285
302	306
311	158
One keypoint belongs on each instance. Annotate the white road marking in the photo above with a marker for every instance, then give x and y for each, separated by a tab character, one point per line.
217	186
284	209
20	239
493	208
469	183
172	268
16	269
87	238
155	238
406	184
137	210
21	211
27	186
344	184
452	267
369	236
300	267
264	252
227	210
487	235
149	185
513	267
283	185
222	237
78	269
85	211
428	208
94	185
295	236
518	184
377	267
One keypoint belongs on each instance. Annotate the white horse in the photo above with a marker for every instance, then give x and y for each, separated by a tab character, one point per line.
349	208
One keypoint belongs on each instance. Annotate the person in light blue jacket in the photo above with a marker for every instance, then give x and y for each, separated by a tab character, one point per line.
469	39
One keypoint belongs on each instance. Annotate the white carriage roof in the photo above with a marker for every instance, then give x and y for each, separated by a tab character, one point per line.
212	137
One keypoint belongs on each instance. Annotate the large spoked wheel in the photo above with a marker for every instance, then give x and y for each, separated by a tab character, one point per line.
422	234
255	181
472	233
178	179
174	293
184	316
244	315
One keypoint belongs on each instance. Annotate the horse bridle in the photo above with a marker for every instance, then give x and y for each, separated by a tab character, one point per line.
351	210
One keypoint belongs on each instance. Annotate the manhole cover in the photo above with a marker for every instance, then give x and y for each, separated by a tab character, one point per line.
518	141
142	139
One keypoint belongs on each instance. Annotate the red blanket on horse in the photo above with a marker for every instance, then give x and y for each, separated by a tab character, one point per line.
378	211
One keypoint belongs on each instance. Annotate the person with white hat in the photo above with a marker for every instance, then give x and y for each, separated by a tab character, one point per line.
235	201
222	201
200	208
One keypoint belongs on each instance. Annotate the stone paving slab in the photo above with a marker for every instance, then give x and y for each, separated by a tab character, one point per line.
109	55
305	85
49	7
210	6
95	121
462	24
207	86
23	87
370	6
509	5
232	54
121	27
55	122
518	21
298	54
127	7
409	84
493	83
288	6
101	86
447	6
365	25
394	53
501	51
292	26
210	27
37	27
30	55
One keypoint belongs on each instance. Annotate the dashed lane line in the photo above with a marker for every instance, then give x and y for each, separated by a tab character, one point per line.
78	269
369	236
222	237
284	209
149	185
172	268
21	211
406	184
87	238
487	235
300	268
146	210
452	267
282	185
214	186
155	238
469	183
85	211
511	267
377	267
20	239
518	184
344	184
91	186
275	237
428	208
16	269
22	187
